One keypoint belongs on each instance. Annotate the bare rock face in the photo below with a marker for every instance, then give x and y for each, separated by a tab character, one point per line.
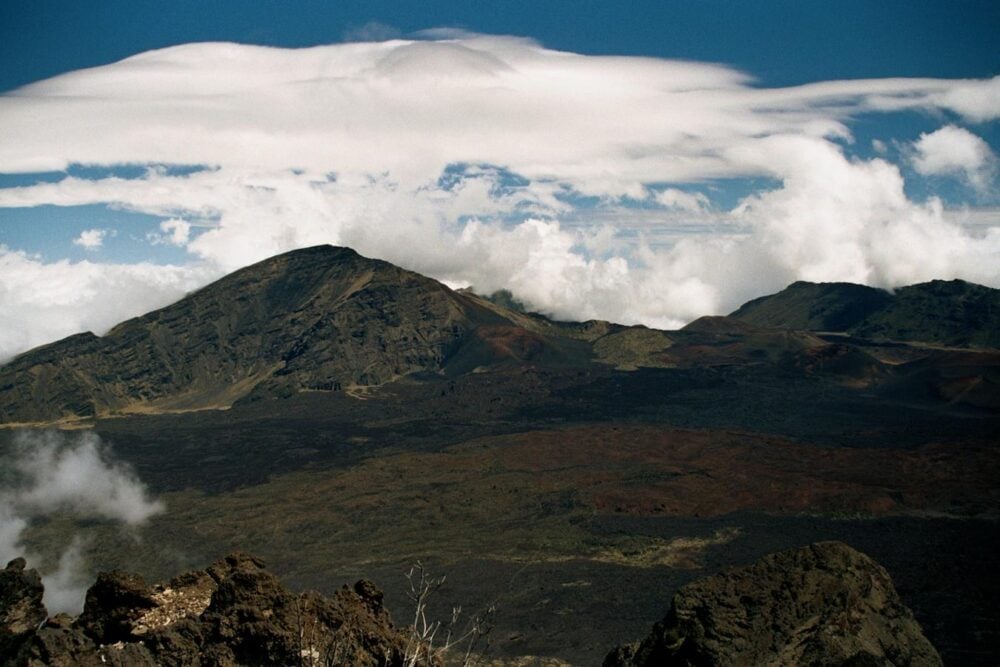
233	613
253	619
824	604
112	605
21	608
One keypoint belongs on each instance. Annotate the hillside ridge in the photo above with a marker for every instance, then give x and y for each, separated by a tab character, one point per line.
326	319
944	312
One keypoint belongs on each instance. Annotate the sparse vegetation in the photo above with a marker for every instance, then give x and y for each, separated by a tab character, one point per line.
433	643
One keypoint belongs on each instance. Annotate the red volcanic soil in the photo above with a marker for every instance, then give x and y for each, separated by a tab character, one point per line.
510	342
501	345
647	469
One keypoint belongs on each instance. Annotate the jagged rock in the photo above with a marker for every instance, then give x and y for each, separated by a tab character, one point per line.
58	645
233	613
824	604
252	619
371	595
180	643
62	644
251	614
112	606
21	608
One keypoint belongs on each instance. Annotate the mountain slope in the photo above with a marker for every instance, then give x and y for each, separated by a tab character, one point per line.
326	319
322	318
950	312
814	306
943	312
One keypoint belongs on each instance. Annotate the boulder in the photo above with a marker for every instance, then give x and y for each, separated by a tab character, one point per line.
112	606
823	604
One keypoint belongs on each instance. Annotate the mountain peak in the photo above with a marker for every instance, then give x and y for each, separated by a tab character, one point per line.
324	252
322	318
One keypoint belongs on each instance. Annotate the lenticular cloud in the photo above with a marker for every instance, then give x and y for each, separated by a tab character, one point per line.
584	184
605	125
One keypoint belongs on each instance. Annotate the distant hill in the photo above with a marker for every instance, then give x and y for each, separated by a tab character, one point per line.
814	307
952	312
322	318
326	319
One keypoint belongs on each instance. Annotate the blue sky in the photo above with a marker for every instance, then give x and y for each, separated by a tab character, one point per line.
781	42
726	149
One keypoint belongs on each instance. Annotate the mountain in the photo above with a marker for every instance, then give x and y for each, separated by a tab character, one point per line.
578	473
814	307
318	319
952	312
327	320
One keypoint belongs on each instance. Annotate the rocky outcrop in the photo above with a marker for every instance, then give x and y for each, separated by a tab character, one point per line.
233	613
824	604
21	608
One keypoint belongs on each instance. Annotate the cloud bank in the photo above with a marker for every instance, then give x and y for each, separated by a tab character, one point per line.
587	185
44	301
48	472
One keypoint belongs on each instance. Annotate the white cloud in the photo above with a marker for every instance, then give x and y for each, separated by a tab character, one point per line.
66	587
358	144
684	201
62	473
49	472
56	299
175	231
837	219
410	108
955	151
979	101
91	239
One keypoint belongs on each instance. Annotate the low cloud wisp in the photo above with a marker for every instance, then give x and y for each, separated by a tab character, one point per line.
50	472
